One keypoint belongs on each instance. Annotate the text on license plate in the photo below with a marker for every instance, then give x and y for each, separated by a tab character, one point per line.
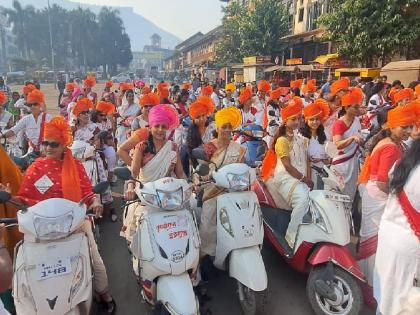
53	268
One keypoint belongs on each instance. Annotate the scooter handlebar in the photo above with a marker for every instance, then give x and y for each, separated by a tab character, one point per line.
8	220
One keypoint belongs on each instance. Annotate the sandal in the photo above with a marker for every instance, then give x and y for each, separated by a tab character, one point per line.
110	306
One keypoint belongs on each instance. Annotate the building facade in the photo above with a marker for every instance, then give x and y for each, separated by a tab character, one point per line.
8	47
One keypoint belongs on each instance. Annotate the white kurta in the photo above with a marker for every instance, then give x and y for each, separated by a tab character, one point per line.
398	253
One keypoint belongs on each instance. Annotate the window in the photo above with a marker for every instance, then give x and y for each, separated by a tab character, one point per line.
301	13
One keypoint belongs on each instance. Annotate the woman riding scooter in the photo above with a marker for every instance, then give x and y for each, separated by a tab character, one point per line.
221	151
286	170
60	175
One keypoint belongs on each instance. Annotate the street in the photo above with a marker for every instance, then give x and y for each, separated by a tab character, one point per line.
287	294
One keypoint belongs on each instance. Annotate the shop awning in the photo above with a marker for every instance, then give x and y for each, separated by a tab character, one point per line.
360	72
323	59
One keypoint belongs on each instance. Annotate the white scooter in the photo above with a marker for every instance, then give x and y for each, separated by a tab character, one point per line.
166	244
240	232
52	271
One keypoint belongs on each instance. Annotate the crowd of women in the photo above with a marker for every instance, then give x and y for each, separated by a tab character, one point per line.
368	134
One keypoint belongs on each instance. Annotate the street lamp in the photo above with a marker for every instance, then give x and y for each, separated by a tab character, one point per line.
51	43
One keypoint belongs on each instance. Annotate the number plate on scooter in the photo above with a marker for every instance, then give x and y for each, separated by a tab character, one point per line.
53	268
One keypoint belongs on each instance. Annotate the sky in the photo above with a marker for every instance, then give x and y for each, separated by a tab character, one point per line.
182	18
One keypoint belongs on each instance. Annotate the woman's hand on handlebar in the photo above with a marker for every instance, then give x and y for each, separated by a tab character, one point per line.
308	182
97	208
129	194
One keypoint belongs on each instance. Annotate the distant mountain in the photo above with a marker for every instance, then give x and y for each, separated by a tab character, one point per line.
138	28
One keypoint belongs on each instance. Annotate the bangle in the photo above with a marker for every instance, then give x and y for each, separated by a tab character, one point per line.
301	179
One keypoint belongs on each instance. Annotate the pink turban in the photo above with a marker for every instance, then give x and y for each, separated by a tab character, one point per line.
164	114
76	92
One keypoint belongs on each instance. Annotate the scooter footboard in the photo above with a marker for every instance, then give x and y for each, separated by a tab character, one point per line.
247	266
177	294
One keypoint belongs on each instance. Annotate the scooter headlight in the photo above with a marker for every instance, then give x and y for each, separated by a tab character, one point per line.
225	222
170	200
238	181
150	199
48	228
78	277
318	218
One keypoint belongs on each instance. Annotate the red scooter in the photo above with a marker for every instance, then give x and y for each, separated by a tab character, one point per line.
320	248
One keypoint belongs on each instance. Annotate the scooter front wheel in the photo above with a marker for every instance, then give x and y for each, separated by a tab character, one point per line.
252	302
341	296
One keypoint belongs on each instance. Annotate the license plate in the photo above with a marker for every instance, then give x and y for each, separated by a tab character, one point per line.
53	268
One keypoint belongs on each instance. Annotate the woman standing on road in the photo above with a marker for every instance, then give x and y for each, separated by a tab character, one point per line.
397	266
387	148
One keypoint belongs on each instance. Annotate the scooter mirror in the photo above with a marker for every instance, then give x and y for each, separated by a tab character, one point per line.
200	154
123	173
100	188
5	196
203	169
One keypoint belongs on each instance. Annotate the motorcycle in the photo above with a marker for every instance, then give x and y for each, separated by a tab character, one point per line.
240	232
320	247
52	272
11	144
165	246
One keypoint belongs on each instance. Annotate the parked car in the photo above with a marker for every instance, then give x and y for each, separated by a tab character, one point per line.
121	77
16	77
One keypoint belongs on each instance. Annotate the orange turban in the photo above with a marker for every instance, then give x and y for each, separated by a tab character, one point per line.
28	88
35	97
293	109
245	95
3	98
310	86
296	84
70	86
149	99
109	84
416	108
206	90
162	86
58	129
281	91
186	86
353	97
228	115
105	107
264	85
230	87
89	82
204	105
124	86
164	93
340	84
401	116
145	90
392	93
402	94
82	105
319	108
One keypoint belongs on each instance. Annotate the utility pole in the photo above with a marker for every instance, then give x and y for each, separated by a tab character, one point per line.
51	44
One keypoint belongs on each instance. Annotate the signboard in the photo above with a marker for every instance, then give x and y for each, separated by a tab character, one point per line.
256	60
294	61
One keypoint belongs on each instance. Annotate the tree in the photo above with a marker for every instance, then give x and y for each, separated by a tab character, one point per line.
369	30
253	30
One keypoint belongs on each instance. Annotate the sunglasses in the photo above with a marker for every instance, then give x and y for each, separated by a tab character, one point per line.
51	144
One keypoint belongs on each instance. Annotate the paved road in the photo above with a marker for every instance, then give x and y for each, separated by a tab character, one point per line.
286	287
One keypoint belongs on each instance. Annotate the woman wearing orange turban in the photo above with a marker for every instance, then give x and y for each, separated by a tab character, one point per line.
31	126
347	139
107	94
248	112
315	114
403	96
308	92
201	130
5	116
221	151
285	167
84	129
102	116
259	101
66	178
88	84
147	102
67	99
386	148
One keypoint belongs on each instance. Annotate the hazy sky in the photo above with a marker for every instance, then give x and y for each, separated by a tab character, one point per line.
182	18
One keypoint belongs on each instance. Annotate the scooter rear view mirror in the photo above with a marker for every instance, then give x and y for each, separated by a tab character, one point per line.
100	188
123	173
200	154
203	169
